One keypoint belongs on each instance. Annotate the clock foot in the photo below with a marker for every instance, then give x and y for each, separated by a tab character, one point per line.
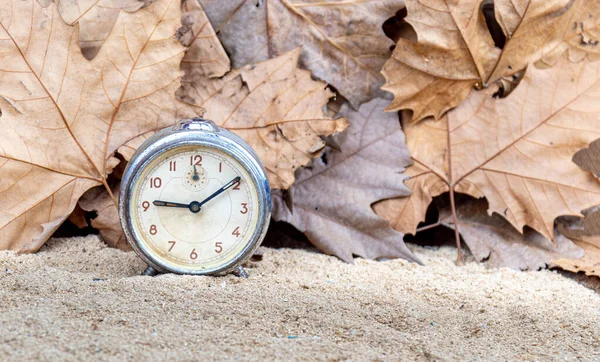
240	272
150	271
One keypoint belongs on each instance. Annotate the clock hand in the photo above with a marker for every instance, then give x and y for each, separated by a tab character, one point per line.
195	177
194	206
222	189
169	204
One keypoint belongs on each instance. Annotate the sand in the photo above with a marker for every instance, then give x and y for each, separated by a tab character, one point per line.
79	300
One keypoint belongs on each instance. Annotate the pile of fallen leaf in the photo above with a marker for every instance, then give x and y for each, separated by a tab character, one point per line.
374	119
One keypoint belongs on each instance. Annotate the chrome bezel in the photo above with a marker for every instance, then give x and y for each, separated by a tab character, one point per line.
195	132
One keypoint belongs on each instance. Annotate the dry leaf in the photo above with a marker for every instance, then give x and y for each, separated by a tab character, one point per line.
514	151
589	264
589	158
63	116
342	41
586	234
492	240
128	149
107	219
205	57
581	39
275	106
96	19
456	52
331	199
77	217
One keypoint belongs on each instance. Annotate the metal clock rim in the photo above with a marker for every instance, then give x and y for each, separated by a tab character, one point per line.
181	136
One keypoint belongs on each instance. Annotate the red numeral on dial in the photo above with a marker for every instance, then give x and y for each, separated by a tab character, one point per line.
172	165
195	160
236	232
237	186
146	205
193	255
155	182
153	229
244	209
218	247
172	245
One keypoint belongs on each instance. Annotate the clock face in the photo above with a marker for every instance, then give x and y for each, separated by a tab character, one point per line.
194	207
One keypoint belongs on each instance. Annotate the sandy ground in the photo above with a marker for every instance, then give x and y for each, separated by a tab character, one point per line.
78	300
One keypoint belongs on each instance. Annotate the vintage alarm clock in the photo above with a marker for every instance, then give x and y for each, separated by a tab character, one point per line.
195	199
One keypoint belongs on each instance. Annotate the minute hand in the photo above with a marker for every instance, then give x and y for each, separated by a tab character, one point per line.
222	189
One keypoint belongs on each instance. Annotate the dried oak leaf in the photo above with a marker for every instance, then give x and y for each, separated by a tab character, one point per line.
586	234
343	42
589	158
64	116
492	240
331	200
455	51
96	19
514	151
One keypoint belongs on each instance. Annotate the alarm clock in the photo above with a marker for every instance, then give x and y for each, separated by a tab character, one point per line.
195	199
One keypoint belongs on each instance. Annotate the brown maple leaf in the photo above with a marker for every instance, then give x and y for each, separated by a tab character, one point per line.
342	41
64	116
456	53
514	151
493	241
331	199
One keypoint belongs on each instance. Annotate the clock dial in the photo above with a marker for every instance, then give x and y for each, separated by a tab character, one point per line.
176	217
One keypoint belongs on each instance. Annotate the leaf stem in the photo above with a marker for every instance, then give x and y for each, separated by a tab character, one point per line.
427	227
459	257
110	193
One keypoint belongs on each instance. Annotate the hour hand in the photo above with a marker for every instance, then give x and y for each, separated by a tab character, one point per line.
169	204
193	206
